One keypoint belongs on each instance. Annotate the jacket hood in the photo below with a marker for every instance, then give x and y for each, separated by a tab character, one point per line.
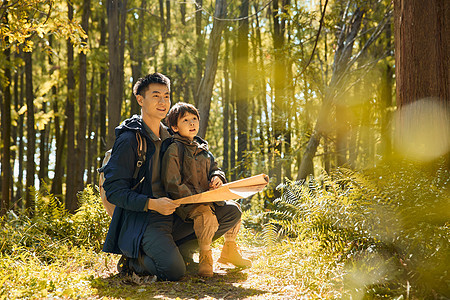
198	142
134	123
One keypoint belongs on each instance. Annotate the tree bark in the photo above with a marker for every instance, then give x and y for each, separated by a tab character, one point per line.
422	69
31	132
116	28
6	136
103	87
71	189
205	88
200	48
242	107
21	124
422	34
80	152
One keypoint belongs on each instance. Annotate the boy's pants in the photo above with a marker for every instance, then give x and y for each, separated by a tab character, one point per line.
160	254
205	225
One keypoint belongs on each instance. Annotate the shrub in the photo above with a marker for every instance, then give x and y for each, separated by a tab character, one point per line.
389	226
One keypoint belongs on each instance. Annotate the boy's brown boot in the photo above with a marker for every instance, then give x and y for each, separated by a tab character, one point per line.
205	265
230	254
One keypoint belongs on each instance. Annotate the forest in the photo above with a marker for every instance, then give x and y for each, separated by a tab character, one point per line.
344	104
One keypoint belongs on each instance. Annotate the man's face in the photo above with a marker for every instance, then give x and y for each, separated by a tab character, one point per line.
187	126
155	103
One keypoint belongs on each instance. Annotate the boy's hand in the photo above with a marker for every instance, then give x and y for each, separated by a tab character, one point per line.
215	183
163	205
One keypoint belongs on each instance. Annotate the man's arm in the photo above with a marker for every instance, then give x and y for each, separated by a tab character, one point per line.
119	174
163	205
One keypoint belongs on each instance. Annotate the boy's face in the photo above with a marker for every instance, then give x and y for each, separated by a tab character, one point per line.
155	103
187	126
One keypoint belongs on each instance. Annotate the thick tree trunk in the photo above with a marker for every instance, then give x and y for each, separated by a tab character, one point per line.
71	190
31	132
205	88
422	43
422	68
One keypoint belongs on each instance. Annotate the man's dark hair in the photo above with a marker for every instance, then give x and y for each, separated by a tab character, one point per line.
178	111
141	85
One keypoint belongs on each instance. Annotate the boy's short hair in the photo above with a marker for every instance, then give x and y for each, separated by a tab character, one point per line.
178	111
141	85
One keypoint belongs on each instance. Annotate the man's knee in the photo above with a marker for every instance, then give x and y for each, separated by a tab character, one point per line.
173	271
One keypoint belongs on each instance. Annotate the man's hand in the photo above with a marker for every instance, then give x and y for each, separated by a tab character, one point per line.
215	183
164	205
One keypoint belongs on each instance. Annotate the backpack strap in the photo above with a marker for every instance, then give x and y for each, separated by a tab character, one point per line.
141	152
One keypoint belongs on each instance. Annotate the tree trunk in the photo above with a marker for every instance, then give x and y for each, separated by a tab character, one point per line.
31	132
71	189
200	48
136	56
422	68
242	107
6	136
14	135
102	97
420	35
92	133
116	21
80	152
205	88
226	109
279	86
21	124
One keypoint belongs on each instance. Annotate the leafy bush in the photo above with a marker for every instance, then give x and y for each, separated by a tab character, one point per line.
389	226
51	226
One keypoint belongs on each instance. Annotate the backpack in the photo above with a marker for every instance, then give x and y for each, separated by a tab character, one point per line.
141	151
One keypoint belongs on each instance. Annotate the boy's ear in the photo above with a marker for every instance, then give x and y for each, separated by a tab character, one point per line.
174	128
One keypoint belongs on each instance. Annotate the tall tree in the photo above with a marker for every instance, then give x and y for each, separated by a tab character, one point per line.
205	88
242	101
116	10
422	68
279	81
80	152
71	189
6	135
31	131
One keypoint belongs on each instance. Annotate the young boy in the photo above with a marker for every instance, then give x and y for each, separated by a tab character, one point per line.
189	168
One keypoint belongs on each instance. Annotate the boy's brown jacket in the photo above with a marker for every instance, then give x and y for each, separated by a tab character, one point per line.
196	172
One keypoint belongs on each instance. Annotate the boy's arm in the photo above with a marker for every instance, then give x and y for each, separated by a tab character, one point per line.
119	175
214	170
171	174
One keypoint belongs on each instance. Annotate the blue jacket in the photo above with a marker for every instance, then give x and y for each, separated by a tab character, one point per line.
130	216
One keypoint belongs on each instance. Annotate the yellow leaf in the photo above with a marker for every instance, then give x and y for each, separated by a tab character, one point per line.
22	110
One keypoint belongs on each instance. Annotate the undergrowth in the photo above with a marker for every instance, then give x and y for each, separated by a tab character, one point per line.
385	231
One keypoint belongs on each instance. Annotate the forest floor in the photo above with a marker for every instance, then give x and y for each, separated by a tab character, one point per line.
227	283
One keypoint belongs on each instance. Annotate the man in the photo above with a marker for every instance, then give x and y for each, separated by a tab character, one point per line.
143	228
